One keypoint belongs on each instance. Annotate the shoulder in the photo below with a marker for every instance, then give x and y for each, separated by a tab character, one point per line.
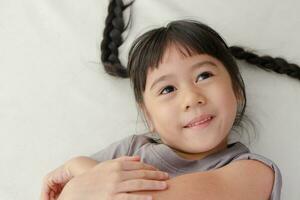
126	146
247	179
140	140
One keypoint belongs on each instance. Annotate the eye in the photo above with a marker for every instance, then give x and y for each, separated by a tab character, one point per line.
205	74
169	88
164	89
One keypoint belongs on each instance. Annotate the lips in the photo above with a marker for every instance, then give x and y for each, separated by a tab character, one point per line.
199	120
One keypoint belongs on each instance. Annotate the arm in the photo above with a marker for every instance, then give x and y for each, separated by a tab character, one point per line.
56	180
244	179
79	165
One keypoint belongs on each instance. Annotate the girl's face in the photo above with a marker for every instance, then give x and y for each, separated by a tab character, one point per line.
192	86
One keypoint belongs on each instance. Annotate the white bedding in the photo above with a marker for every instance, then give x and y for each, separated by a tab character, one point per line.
56	102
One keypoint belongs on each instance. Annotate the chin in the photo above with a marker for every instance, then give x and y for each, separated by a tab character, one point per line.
202	146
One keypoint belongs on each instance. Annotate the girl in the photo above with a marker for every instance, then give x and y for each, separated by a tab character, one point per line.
189	88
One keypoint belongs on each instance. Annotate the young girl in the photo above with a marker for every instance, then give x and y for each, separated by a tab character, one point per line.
189	88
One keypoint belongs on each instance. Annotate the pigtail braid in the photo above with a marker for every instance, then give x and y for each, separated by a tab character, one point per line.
112	39
267	63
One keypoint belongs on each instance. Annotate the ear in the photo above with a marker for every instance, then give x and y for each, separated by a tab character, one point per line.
147	117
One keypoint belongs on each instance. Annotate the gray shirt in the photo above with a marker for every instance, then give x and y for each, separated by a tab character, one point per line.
165	159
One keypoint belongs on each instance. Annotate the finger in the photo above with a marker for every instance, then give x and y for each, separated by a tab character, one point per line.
49	184
52	187
126	196
52	195
140	184
44	196
144	174
45	193
136	157
134	165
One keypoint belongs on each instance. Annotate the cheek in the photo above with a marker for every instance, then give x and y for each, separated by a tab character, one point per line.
163	115
226	101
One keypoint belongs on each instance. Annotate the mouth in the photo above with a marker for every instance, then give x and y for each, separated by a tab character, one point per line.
201	124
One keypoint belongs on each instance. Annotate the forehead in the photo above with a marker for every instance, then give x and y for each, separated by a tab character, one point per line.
175	52
177	55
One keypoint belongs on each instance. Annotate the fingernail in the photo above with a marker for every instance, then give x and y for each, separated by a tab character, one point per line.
163	184
149	198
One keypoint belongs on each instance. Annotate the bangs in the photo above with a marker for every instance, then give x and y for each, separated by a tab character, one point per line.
189	40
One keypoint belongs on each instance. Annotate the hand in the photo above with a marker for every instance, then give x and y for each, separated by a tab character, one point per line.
54	182
114	180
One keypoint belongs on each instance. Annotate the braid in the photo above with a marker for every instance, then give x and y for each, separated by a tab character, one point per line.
267	63
112	39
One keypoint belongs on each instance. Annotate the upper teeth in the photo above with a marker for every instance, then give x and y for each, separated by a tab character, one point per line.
197	123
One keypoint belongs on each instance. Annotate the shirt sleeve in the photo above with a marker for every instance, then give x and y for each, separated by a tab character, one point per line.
114	150
276	190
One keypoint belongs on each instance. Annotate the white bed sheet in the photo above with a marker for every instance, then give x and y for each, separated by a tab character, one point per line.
56	102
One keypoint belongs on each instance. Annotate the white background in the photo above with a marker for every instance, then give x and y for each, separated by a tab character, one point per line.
56	101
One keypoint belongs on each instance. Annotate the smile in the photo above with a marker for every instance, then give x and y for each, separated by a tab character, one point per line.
200	125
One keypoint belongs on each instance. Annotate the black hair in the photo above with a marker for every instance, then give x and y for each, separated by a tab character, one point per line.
196	37
112	38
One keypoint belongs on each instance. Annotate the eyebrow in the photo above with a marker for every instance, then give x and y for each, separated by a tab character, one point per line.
193	67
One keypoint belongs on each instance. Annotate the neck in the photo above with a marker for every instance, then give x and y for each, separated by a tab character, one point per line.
201	155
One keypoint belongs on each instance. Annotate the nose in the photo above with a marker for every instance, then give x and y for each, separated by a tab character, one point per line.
193	98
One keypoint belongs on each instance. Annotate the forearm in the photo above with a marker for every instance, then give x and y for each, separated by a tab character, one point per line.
79	165
243	179
193	186
75	167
